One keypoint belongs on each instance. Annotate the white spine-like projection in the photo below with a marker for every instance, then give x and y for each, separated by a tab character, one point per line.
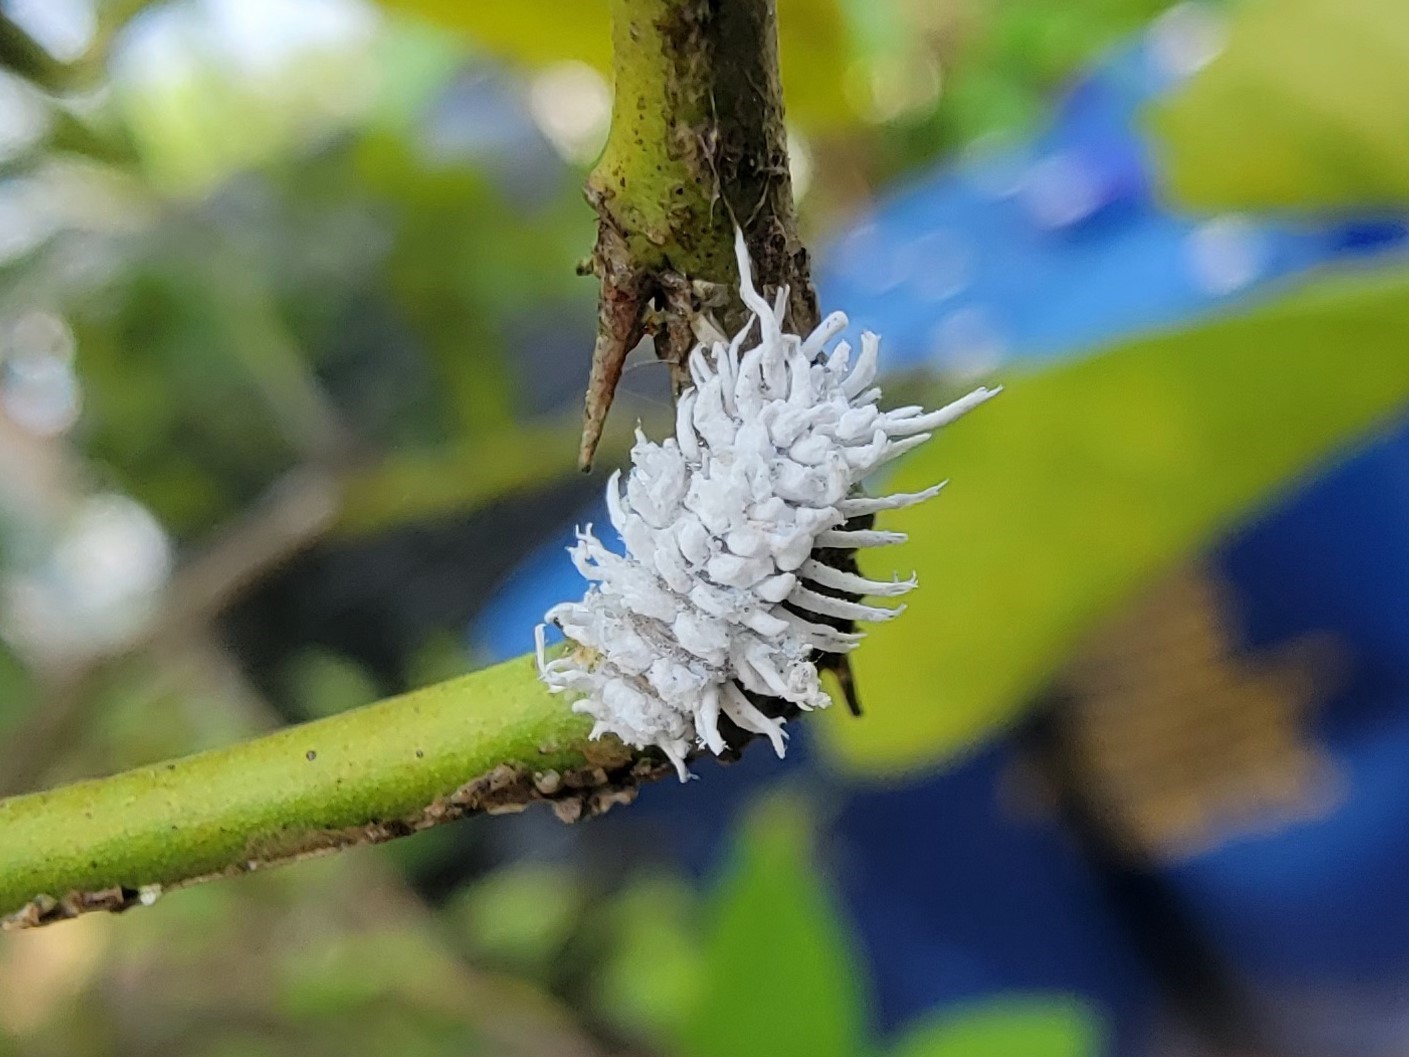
720	525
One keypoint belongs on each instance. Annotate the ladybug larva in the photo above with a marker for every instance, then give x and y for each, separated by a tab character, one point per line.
737	580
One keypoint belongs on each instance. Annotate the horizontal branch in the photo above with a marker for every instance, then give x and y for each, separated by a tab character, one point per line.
491	742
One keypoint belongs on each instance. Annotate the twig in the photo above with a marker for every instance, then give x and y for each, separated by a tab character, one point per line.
491	742
697	145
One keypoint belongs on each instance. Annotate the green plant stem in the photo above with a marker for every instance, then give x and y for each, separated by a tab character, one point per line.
494	741
697	148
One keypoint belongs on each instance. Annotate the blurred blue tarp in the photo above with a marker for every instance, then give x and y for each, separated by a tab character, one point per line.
1301	882
1058	245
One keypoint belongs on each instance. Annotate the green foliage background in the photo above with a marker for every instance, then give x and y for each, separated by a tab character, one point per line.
285	271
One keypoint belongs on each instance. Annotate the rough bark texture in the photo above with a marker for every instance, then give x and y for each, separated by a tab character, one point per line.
697	146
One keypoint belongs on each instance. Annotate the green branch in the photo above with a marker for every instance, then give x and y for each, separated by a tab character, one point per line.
697	147
491	742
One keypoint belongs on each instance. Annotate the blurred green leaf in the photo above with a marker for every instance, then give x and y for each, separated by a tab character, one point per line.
1014	1028
532	32
1085	479
813	47
179	394
422	485
814	44
1308	106
325	683
17	689
1013	55
170	109
350	969
649	981
442	655
780	980
522	915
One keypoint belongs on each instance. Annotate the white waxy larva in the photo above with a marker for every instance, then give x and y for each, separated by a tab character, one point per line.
854	539
829	606
838	579
859	505
721	524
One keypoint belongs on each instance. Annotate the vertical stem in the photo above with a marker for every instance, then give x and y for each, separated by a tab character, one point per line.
697	146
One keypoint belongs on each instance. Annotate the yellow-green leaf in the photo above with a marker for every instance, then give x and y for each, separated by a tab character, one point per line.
531	32
1082	481
814	45
1308	106
780	977
1010	1028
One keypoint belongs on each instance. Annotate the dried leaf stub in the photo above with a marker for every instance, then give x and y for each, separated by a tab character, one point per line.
719	592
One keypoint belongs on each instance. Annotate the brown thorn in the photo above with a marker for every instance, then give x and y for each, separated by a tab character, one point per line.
619	329
627	289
